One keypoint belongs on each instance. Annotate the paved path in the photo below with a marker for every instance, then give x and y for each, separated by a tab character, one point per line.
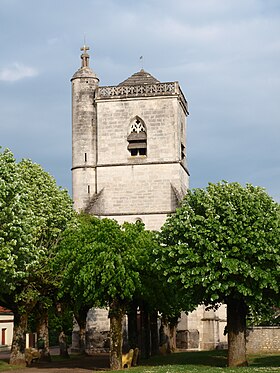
77	364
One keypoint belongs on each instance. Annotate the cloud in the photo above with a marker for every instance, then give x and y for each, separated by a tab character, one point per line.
16	72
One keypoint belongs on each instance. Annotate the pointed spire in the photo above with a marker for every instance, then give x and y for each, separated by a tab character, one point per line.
85	55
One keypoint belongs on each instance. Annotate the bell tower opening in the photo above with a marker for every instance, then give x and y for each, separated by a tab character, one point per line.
137	138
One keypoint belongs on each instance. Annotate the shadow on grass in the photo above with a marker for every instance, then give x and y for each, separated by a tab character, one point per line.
217	358
75	362
264	360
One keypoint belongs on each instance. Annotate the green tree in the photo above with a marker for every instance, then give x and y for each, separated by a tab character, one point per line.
101	261
33	213
222	246
155	298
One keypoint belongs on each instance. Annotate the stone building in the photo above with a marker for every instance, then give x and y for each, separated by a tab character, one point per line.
129	147
6	328
129	154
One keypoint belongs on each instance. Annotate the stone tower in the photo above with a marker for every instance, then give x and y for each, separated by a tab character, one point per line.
129	163
129	147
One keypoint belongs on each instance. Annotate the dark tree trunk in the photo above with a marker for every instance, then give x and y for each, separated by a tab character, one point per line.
132	326
116	314
172	333
236	327
168	335
81	318
17	356
63	348
82	338
145	333
43	334
154	333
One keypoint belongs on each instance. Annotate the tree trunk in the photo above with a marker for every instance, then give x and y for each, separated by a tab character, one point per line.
81	318
82	338
145	333
164	334
43	334
236	327
132	326
172	325
154	333
63	348
17	356
116	317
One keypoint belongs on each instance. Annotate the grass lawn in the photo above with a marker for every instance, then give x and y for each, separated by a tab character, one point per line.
206	362
4	366
196	362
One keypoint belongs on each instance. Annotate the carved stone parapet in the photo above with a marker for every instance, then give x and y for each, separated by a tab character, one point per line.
142	90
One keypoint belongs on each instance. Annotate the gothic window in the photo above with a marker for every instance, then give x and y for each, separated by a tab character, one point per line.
137	138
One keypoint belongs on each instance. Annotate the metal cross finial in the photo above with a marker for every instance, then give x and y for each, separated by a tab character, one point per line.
85	48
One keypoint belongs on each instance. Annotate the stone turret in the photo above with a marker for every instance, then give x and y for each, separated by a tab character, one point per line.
84	132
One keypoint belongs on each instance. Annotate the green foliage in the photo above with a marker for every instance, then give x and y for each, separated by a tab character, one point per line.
102	261
14	227
223	242
264	316
60	321
33	213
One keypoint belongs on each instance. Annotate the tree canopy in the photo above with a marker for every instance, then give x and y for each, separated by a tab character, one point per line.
222	246
101	261
107	265
33	213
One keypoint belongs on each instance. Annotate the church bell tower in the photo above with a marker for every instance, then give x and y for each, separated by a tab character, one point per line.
129	163
129	158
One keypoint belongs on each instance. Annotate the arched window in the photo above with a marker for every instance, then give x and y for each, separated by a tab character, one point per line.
137	138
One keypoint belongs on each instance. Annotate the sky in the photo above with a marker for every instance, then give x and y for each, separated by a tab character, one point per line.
224	53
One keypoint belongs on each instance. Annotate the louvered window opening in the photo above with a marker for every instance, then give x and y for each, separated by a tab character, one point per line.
137	139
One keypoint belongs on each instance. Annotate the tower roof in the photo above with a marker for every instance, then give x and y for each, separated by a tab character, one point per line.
141	77
85	71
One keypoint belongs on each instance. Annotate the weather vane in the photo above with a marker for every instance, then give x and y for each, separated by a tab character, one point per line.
141	62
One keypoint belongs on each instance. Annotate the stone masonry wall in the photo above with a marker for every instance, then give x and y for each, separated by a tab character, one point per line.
202	329
83	139
160	116
146	187
263	339
140	191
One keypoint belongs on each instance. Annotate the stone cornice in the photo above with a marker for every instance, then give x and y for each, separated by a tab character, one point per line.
131	164
142	90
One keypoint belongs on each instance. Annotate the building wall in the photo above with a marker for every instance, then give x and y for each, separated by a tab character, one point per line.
140	187
6	327
160	115
202	329
84	84
140	191
264	339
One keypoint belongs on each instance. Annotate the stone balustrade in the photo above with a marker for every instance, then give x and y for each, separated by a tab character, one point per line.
142	90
